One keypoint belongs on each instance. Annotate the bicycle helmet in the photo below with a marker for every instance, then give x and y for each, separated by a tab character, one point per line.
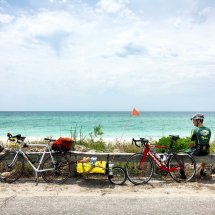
198	116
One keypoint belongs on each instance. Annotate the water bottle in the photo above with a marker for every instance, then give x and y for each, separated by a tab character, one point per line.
164	158
157	156
110	168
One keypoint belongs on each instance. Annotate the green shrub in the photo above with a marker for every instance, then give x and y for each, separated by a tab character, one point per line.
212	146
89	143
97	145
96	132
181	144
120	164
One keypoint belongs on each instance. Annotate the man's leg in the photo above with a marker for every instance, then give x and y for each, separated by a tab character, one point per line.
182	173
199	153
202	173
203	166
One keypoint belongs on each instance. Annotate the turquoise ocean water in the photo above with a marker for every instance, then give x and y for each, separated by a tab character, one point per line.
37	124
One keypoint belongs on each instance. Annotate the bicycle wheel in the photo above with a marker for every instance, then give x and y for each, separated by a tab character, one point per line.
118	177
179	160
11	167
59	172
134	173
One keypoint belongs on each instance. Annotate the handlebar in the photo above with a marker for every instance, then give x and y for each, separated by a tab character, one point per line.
49	139
18	136
142	140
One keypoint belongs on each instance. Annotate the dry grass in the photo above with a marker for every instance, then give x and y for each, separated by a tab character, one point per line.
99	145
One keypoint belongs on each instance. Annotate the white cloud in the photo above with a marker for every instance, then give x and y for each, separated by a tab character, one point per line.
127	43
41	24
202	16
111	6
125	12
5	18
77	54
4	3
204	12
177	23
135	35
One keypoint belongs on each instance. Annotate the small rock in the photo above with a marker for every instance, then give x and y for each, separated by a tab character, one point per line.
81	148
7	150
8	174
108	151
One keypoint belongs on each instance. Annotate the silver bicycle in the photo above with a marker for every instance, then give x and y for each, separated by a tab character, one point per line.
54	168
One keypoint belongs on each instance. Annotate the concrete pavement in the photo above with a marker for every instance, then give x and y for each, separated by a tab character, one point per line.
108	204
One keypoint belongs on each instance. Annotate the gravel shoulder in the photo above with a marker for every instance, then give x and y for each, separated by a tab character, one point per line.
101	187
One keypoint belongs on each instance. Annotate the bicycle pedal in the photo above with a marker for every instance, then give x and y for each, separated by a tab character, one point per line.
2	178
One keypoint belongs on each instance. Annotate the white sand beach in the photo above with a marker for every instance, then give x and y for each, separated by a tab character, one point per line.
106	140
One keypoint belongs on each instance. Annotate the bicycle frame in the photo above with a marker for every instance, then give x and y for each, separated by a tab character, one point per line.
154	158
19	151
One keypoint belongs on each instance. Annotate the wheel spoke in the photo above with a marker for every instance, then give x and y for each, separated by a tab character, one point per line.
187	162
11	169
137	172
61	170
118	177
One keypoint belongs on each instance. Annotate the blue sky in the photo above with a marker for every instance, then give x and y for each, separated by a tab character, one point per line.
108	55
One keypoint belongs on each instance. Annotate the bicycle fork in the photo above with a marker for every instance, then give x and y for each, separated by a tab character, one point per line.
14	160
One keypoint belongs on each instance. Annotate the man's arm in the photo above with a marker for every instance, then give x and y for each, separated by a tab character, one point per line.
192	139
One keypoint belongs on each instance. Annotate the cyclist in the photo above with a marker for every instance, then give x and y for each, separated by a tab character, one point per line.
200	138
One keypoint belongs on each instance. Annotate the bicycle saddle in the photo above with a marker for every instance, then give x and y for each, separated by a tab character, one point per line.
174	137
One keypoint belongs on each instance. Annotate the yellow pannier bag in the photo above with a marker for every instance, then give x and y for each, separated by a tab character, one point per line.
86	167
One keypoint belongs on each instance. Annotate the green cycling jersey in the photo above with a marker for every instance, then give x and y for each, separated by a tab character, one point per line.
200	136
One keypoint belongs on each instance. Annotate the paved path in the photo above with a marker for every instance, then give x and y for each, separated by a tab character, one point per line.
105	204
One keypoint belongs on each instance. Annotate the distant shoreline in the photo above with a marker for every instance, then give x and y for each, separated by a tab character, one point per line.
104	111
106	140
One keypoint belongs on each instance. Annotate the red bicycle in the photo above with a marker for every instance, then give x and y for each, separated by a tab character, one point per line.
139	167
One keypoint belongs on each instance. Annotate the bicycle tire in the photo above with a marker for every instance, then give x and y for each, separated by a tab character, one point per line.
11	173
189	166
139	176
61	171
119	176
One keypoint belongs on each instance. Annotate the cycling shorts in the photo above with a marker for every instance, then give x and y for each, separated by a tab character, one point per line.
197	152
